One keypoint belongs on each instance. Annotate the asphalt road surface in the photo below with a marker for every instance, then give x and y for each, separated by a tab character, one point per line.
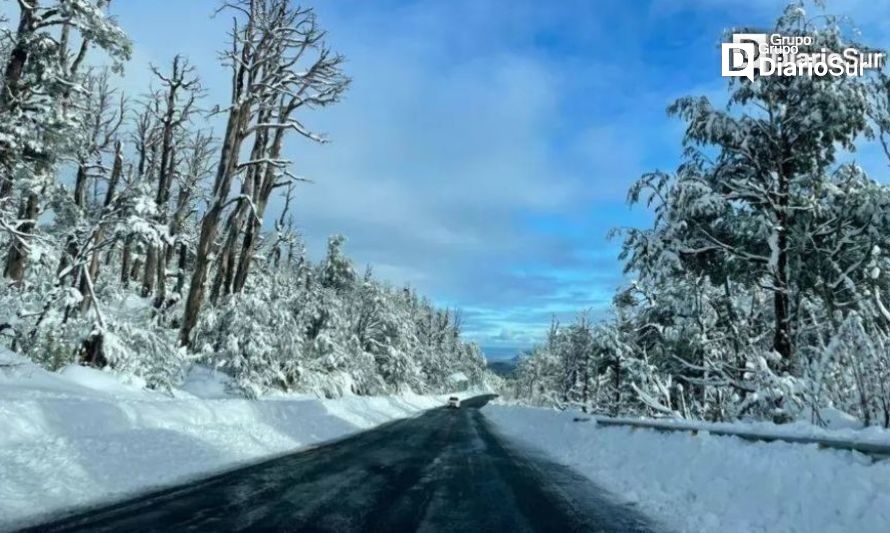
446	470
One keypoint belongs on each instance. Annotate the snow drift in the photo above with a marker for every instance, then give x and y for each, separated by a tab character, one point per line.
83	436
708	483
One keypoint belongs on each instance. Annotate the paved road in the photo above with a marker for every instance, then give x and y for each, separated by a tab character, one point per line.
443	471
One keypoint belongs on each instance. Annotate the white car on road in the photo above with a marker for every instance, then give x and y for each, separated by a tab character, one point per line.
454	402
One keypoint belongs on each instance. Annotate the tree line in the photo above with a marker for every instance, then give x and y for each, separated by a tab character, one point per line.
134	238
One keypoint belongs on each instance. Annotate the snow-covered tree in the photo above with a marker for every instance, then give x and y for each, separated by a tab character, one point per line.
114	218
39	122
760	288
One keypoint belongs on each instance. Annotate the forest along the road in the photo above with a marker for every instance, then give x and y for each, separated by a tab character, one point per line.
445	470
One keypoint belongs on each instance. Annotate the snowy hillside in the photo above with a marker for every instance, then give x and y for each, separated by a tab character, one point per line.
709	483
84	436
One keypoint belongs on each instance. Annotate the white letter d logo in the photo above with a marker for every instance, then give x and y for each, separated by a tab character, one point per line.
738	60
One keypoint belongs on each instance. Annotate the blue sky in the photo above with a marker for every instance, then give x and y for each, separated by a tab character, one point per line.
485	148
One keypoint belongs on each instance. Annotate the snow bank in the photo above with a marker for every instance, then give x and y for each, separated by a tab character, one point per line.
83	436
710	483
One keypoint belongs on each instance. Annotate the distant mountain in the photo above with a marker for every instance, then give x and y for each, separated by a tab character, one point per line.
503	367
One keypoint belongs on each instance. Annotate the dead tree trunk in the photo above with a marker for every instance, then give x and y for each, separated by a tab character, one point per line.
275	37
235	127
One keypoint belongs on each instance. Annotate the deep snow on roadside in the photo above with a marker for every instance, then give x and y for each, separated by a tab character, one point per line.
82	436
710	483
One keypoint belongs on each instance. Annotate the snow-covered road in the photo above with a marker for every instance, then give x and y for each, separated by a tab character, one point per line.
83	437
